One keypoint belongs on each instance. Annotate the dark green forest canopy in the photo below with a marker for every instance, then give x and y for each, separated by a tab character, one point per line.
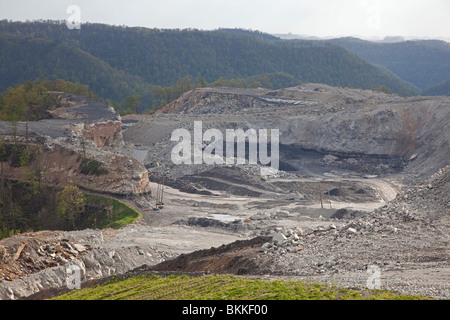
117	62
440	89
423	63
24	58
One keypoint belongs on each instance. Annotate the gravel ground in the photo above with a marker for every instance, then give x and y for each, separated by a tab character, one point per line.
399	238
406	242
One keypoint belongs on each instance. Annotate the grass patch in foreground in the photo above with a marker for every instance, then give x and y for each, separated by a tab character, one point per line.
222	287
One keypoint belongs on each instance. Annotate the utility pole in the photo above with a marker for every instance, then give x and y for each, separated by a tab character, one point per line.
329	198
320	194
157	192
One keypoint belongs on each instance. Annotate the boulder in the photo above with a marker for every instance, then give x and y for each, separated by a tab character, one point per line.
265	247
278	239
282	214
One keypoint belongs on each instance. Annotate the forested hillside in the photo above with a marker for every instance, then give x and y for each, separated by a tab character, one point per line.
423	63
23	58
440	89
116	62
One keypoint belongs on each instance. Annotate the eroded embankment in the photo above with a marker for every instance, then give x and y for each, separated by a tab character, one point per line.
30	263
367	131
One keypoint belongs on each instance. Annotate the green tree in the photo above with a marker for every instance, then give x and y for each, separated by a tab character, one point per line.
71	204
132	103
31	100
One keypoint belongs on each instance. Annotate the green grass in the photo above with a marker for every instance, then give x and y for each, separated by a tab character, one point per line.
222	287
122	214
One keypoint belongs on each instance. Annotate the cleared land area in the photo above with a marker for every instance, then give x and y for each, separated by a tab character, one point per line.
364	183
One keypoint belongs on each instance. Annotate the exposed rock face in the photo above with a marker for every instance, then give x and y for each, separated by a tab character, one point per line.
343	122
203	101
60	166
91	121
126	176
30	263
105	134
88	129
329	119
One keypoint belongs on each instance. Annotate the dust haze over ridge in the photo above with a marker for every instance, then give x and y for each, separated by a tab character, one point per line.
324	18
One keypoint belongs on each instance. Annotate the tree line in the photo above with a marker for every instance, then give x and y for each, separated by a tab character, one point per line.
32	100
121	62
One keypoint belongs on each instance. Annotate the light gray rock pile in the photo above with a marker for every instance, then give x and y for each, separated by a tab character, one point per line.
37	264
407	238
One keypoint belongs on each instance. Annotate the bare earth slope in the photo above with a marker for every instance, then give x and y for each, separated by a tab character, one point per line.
363	186
331	138
314	117
407	240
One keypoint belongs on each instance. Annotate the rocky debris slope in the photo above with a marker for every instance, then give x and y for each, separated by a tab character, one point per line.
362	126
30	263
235	258
404	243
203	101
408	236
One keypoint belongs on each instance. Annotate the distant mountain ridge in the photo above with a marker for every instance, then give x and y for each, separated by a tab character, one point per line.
440	89
423	63
120	61
24	58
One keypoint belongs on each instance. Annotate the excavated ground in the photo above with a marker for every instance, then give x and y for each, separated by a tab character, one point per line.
355	190
406	239
355	193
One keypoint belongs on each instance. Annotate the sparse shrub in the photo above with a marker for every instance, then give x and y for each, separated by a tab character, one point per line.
92	167
19	154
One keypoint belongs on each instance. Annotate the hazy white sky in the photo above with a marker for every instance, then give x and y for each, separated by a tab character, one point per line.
364	18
